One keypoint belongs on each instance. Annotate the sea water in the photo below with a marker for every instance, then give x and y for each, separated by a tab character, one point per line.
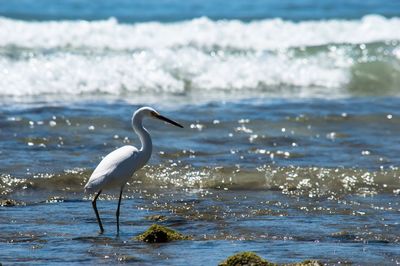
291	139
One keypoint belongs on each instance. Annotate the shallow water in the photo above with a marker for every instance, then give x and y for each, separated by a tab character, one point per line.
291	180
290	146
221	222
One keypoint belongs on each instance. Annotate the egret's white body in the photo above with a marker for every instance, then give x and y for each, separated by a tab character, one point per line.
115	169
119	166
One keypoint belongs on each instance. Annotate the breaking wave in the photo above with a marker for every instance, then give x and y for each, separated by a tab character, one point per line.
270	34
276	58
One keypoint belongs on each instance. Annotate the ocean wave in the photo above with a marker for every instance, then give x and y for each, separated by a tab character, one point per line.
291	180
273	58
169	71
328	72
203	32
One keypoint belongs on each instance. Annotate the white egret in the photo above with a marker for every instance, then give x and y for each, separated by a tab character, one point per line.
118	166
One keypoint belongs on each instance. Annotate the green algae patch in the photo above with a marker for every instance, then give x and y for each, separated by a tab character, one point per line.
246	258
249	258
161	234
305	263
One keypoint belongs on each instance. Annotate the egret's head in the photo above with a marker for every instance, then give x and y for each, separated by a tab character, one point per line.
150	112
144	111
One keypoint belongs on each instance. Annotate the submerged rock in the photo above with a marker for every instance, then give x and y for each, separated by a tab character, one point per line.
248	258
158	218
344	235
160	234
128	259
55	199
8	203
305	263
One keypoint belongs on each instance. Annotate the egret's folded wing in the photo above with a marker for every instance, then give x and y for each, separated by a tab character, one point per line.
115	168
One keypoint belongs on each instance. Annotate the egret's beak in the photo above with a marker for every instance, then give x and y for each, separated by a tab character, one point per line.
163	118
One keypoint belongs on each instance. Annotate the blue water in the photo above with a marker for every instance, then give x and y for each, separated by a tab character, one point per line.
290	146
177	10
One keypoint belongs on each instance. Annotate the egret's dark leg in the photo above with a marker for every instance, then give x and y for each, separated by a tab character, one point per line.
119	204
97	213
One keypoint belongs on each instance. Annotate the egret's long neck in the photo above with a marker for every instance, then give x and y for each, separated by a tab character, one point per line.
144	136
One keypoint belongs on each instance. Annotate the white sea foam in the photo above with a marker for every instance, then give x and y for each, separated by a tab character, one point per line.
258	35
170	71
80	57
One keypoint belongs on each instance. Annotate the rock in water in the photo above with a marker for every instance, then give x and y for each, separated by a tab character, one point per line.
246	259
8	203
305	263
157	218
160	234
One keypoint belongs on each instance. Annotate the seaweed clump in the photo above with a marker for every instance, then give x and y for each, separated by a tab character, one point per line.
161	234
305	263
248	258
